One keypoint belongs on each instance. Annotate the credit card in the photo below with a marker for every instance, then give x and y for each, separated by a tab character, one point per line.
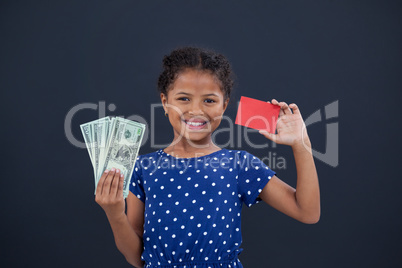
257	114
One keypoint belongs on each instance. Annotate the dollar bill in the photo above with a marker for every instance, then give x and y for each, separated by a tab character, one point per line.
101	127
86	130
113	143
122	151
86	133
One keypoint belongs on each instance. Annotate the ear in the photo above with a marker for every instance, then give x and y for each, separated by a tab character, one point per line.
164	101
225	104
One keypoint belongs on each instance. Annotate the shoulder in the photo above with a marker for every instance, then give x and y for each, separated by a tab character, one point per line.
240	159
149	156
145	161
248	161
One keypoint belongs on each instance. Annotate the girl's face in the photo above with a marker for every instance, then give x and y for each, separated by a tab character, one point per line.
195	105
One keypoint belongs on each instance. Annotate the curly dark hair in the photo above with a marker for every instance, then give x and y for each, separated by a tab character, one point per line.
199	59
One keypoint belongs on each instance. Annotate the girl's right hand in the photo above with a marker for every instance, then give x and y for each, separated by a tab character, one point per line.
109	193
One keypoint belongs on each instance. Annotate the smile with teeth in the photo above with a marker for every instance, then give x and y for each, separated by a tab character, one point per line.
195	124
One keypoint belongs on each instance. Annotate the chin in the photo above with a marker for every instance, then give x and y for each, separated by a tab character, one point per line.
196	137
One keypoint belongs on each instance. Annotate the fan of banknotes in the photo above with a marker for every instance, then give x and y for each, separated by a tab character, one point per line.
113	142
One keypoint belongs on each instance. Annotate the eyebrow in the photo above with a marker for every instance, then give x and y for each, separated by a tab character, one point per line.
185	93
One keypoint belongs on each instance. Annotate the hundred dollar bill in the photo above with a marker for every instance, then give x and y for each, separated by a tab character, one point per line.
122	150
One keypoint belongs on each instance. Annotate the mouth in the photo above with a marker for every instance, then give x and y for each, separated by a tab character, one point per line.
195	124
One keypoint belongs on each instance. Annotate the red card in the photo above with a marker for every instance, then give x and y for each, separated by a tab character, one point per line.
257	114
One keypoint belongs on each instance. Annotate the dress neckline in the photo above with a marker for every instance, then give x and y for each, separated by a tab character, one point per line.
189	158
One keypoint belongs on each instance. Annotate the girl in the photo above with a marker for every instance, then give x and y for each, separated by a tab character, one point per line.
185	201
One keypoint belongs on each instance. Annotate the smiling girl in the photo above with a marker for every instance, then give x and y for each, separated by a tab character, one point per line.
184	206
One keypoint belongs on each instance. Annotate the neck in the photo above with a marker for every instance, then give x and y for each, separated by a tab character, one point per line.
181	146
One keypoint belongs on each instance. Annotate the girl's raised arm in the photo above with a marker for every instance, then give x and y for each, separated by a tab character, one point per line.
302	203
109	195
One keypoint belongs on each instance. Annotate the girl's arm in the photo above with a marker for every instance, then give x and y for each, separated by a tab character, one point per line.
109	195
302	203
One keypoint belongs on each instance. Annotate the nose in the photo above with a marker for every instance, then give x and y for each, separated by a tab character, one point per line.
196	109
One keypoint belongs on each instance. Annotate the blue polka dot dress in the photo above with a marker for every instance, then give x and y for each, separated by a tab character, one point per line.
193	206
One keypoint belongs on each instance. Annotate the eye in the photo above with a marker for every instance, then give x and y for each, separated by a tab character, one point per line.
209	101
183	99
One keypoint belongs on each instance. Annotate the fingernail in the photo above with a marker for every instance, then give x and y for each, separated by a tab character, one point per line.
106	170
113	169
121	175
117	170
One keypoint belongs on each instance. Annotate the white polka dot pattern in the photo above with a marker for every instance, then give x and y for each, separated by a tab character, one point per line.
193	206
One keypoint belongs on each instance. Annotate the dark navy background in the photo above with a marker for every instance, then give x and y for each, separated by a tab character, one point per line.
55	55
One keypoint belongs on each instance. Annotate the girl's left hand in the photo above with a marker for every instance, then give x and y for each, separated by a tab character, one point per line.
290	126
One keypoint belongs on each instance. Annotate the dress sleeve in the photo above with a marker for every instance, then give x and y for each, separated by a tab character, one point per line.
253	175
137	181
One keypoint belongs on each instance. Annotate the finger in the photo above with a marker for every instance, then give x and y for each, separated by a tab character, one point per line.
275	102
268	101
285	107
281	113
115	183
295	108
108	181
121	184
100	182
